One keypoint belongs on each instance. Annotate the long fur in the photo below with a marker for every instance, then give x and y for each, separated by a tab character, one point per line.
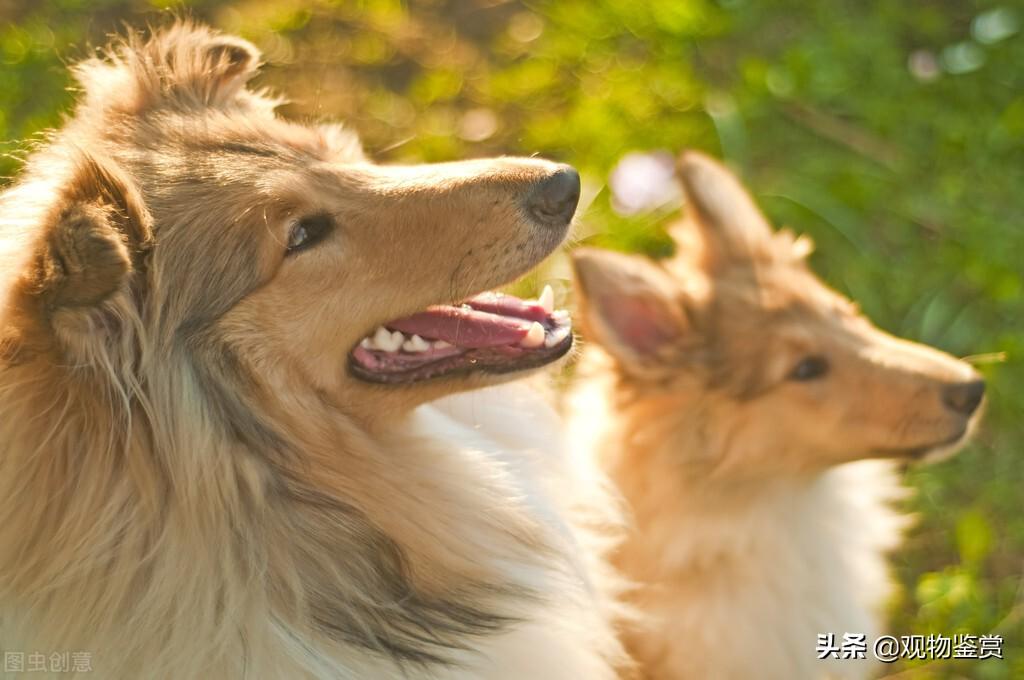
191	484
747	413
737	580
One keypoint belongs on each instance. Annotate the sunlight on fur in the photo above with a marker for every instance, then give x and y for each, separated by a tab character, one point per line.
194	484
748	414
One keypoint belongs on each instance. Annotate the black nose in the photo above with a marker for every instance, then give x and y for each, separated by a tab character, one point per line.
963	398
553	200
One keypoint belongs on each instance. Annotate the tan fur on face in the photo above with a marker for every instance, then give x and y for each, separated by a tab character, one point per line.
755	527
193	484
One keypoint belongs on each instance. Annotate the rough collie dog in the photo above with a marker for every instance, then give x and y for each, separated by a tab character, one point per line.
746	412
219	329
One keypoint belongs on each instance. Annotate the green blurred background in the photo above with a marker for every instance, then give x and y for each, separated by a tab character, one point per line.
891	132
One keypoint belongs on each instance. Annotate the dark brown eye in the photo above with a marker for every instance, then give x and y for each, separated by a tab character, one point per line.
307	232
809	368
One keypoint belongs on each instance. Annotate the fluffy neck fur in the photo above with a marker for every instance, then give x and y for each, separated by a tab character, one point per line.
182	504
735	579
148	521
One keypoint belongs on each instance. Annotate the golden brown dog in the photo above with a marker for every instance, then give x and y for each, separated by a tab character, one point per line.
744	409
217	329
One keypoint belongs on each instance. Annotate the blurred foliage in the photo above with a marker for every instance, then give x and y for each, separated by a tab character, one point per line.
891	132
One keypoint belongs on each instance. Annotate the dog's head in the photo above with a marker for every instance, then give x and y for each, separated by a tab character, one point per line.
208	317
739	343
177	202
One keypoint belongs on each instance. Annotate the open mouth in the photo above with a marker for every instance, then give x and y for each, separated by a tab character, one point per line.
491	332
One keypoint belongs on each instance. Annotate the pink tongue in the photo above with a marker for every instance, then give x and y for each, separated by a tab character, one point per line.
508	305
464	327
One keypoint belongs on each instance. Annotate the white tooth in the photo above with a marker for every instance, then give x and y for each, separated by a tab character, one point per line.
367	343
561	316
535	338
382	339
441	344
415	344
547	299
556	337
395	343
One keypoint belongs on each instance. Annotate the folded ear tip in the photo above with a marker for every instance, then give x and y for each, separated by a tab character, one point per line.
237	54
90	260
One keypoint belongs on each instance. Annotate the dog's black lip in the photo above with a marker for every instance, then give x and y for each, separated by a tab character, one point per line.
436	371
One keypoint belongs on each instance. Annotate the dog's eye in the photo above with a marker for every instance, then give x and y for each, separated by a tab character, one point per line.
308	232
809	368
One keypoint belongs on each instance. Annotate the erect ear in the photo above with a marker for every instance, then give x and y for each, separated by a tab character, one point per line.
721	214
631	307
96	234
185	64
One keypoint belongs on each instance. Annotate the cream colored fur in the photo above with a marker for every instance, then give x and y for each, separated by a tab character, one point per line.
509	438
747	413
193	484
519	433
756	570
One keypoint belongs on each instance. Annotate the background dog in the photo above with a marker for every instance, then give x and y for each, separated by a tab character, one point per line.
216	328
744	409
